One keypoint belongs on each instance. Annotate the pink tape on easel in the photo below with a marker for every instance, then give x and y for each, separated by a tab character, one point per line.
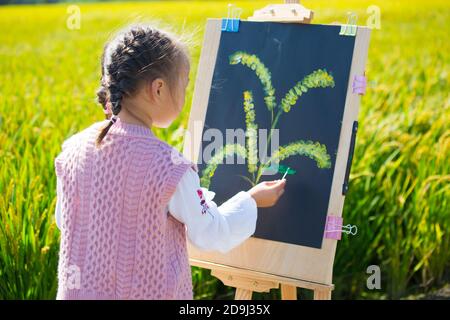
333	227
359	84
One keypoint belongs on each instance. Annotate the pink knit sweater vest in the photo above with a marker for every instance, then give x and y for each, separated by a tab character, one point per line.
118	240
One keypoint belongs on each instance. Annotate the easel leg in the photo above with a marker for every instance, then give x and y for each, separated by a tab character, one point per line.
288	292
245	285
246	282
243	294
322	294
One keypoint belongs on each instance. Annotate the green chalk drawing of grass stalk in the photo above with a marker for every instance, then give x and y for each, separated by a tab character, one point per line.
314	150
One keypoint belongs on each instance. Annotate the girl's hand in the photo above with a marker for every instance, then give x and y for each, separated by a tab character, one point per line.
267	193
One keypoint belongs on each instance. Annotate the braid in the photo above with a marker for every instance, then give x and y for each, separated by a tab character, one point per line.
102	96
139	53
115	97
102	91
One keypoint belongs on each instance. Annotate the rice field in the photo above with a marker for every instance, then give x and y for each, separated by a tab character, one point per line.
399	192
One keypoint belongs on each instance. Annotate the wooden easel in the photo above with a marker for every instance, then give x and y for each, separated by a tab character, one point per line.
247	281
258	265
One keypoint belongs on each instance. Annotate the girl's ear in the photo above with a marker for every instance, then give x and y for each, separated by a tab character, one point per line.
157	86
153	89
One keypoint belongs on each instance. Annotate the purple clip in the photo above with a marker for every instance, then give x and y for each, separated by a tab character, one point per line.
359	84
333	227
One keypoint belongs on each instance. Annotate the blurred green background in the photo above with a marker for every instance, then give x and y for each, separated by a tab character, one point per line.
399	191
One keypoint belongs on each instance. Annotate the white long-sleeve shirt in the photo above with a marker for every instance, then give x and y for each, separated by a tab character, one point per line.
209	227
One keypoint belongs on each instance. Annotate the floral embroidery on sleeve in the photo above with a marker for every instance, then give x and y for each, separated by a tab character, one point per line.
203	203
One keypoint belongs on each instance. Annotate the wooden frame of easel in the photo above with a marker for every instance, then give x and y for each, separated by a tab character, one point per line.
247	281
238	267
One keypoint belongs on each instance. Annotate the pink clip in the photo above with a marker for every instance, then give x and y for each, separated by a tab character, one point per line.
333	227
359	85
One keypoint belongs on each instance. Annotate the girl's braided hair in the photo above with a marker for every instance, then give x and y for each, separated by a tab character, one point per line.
138	53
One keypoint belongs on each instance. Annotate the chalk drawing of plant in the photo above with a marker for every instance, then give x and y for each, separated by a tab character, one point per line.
314	150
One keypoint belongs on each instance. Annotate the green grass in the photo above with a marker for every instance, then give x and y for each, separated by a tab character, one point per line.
399	192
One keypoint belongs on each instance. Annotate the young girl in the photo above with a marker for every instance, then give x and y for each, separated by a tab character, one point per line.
124	204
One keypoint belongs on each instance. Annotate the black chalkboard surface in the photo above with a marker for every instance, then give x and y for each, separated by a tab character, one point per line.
291	77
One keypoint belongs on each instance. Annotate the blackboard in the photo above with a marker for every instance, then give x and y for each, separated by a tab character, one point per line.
290	52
